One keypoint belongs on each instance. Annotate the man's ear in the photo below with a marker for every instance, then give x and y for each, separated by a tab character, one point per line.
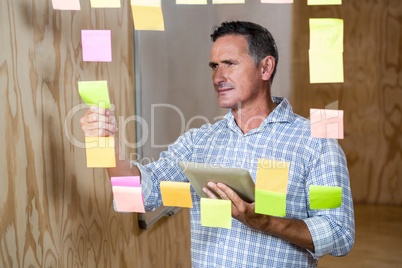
267	67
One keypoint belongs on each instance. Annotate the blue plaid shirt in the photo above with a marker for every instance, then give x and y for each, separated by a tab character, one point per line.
283	136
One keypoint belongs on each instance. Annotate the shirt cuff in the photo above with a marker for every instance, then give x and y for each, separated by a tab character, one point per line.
146	186
322	234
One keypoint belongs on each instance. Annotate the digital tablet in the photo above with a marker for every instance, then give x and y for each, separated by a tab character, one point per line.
238	179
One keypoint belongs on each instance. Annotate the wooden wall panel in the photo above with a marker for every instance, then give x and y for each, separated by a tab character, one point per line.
55	212
371	95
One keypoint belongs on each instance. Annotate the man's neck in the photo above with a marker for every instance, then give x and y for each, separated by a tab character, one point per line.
249	118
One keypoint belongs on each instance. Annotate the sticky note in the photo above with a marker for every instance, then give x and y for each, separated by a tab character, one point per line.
270	203
66	5
326	123
105	3
100	151
326	67
326	35
272	175
94	93
277	1
191	2
228	1
127	181
325	197
216	213
128	199
324	2
96	45
176	194
147	15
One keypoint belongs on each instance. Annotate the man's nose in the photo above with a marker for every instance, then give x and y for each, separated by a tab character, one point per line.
219	76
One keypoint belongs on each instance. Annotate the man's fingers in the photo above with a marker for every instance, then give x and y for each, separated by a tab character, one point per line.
209	193
98	133
98	122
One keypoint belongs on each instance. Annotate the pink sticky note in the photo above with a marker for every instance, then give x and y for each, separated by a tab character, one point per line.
128	199
66	5
326	123
130	181
96	45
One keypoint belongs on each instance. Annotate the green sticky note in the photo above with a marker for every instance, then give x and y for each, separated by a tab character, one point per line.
216	213
326	67
325	197
324	2
270	203
94	93
326	34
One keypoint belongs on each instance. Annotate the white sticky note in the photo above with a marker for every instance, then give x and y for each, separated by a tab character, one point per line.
191	2
324	2
277	1
228	1
66	5
105	3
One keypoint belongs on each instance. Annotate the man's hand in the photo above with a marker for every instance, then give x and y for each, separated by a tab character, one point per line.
98	122
292	230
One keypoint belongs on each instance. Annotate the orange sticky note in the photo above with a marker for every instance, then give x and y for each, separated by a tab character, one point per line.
272	175
128	199
326	123
100	151
176	194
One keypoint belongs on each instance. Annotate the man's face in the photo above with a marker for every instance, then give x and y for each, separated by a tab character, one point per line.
236	79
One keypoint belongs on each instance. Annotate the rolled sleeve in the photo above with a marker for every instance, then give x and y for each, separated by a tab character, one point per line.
332	230
165	169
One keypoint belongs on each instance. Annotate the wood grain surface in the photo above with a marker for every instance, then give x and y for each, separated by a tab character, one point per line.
378	239
371	95
54	211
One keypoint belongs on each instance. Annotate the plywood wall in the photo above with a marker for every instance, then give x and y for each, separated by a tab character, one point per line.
371	95
55	212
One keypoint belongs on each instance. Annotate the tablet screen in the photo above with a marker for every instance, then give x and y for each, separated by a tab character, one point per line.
239	179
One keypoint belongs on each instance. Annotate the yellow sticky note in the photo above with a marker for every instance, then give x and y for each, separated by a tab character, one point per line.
272	175
326	34
216	213
105	3
228	1
147	15
324	2
128	199
94	93
191	2
176	194
326	67
100	151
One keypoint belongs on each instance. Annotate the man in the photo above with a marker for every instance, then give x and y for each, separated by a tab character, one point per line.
243	60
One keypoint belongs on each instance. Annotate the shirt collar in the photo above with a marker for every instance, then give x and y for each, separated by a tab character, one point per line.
283	113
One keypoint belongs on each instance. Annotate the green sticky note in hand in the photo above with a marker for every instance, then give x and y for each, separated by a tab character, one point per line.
325	197
94	93
270	203
216	213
